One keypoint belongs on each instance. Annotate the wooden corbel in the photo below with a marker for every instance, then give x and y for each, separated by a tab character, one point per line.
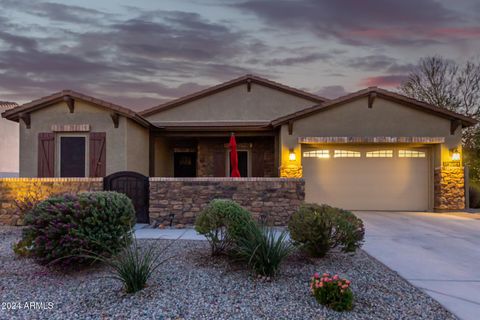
371	99
454	124
115	119
290	127
249	85
26	119
70	103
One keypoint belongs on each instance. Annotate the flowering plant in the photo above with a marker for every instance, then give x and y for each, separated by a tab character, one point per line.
332	291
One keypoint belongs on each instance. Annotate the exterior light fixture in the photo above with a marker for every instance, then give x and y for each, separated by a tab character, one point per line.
292	156
455	154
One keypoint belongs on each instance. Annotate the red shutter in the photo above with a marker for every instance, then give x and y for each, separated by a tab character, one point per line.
46	155
98	156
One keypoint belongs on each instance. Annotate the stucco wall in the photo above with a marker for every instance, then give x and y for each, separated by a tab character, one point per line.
85	113
137	148
261	103
9	145
355	119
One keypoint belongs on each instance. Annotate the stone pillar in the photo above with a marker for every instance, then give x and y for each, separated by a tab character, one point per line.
449	189
291	171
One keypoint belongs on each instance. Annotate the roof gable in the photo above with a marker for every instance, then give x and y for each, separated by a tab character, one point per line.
14	114
247	79
385	94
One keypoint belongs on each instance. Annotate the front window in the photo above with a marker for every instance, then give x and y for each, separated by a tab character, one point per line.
73	156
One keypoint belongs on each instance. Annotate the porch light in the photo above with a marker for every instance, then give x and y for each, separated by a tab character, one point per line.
455	154
292	156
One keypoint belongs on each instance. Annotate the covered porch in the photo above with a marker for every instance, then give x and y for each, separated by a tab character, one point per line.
193	150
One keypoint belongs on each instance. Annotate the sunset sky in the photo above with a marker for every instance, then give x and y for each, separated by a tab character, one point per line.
142	53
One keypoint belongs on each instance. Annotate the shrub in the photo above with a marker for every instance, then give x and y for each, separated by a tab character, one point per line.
263	249
222	222
319	228
474	195
60	228
133	266
332	292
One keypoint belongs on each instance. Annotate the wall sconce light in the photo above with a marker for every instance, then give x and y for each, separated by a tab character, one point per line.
292	156
455	154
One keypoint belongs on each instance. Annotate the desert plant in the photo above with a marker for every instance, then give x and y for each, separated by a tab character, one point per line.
332	291
319	228
263	249
474	195
133	265
59	228
222	222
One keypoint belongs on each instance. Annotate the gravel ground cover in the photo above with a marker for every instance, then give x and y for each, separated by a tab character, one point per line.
192	285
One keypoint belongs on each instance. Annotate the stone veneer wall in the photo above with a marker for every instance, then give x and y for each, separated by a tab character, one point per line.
272	200
449	188
12	189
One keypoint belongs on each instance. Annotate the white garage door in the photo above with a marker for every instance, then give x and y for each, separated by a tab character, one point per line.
367	178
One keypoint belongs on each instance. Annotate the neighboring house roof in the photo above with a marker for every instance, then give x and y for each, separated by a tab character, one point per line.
385	94
6	105
14	114
232	83
213	125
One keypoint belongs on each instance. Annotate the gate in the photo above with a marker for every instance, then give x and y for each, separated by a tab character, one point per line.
135	186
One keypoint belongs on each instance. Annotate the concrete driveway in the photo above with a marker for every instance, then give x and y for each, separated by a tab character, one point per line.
438	253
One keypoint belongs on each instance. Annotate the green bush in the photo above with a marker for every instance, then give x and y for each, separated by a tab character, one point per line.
319	228
133	265
60	228
474	195
222	222
263	249
332	291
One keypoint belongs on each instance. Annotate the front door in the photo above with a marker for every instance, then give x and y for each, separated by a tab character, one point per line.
185	164
135	186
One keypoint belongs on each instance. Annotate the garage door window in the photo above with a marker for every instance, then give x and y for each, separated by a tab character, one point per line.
324	154
380	154
411	154
346	154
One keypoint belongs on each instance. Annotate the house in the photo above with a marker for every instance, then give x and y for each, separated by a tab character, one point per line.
369	150
9	143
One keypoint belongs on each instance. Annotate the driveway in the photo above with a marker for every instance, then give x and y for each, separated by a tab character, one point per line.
438	253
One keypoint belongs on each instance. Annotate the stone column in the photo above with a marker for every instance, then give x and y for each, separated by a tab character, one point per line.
449	189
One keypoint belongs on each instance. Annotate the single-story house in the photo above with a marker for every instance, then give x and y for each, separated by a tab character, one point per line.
369	150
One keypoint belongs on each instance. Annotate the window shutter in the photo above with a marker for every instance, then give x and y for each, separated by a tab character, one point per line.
258	162
219	169
98	157
46	155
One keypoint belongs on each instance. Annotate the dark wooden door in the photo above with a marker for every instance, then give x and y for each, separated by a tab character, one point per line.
135	186
185	164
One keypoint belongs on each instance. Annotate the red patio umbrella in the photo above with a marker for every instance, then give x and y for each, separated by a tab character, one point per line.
233	157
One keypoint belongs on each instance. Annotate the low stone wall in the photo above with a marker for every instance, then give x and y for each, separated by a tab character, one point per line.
21	189
449	188
272	200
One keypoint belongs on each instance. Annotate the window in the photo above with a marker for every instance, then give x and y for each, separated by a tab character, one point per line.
317	154
411	154
380	154
73	155
346	154
243	163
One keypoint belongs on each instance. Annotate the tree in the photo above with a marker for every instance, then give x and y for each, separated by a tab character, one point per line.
447	84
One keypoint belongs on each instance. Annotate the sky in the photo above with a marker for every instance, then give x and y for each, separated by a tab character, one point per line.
142	53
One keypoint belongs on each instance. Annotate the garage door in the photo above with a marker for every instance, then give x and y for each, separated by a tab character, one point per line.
367	178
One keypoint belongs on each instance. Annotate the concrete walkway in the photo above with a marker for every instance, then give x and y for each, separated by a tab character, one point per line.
145	232
438	253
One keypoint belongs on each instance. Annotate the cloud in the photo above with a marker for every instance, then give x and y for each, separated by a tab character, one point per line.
355	22
332	92
390	81
309	58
